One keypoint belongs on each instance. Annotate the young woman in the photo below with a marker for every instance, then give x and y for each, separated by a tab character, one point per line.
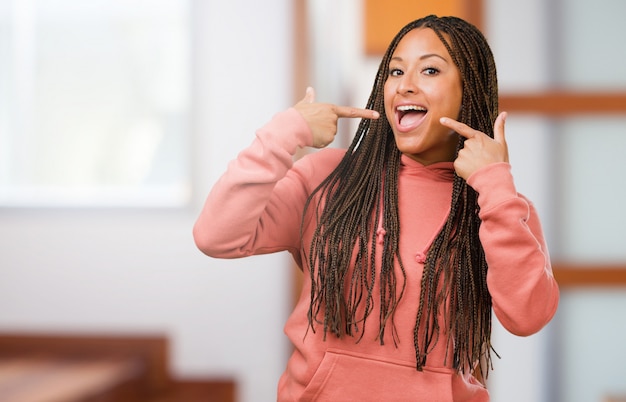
409	239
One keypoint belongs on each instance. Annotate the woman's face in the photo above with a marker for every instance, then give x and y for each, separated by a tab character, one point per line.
423	85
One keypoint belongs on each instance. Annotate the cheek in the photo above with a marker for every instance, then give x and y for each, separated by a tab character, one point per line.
457	107
458	98
454	100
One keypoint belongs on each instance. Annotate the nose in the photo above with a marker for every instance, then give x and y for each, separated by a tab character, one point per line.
407	84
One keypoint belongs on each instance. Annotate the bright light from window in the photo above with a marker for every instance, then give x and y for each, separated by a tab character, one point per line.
94	106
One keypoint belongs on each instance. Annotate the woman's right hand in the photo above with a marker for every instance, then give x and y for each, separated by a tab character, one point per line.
322	117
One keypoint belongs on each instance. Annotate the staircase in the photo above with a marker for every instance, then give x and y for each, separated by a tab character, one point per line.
70	368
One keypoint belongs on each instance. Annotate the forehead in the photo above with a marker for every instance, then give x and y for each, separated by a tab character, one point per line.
420	42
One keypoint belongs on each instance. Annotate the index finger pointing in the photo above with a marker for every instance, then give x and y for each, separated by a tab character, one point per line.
460	128
353	112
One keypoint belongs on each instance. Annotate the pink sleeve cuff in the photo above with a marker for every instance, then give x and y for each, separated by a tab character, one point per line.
494	184
289	130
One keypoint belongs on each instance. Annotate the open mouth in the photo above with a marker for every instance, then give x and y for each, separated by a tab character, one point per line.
409	116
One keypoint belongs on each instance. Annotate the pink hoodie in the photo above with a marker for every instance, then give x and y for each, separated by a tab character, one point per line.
256	207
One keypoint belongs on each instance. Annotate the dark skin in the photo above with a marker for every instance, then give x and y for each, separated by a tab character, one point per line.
479	150
322	117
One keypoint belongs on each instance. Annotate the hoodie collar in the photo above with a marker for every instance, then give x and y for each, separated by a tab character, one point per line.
443	171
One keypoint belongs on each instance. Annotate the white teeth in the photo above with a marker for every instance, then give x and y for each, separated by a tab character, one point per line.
406	108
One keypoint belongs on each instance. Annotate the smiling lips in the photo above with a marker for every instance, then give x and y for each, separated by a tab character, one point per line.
408	117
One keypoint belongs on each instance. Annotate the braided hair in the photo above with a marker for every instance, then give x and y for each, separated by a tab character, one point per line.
363	188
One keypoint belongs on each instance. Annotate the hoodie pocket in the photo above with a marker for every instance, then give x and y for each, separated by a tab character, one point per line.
344	376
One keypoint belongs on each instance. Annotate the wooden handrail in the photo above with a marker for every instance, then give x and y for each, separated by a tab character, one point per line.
578	275
563	103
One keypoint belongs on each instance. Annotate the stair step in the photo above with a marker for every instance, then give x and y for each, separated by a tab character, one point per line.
56	379
198	391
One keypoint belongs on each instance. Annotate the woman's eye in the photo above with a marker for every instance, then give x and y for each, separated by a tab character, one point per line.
430	71
394	72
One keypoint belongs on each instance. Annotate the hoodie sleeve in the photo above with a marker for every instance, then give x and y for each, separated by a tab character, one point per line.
524	292
256	206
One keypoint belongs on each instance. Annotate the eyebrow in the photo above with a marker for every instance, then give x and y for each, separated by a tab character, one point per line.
423	57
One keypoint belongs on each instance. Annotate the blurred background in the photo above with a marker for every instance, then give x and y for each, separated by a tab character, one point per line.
117	116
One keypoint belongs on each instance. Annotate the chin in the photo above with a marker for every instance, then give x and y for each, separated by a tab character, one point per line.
408	144
411	152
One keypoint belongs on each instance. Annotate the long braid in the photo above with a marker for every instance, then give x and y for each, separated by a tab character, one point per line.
349	202
463	296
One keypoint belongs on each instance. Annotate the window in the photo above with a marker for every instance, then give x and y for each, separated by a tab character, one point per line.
94	102
584	105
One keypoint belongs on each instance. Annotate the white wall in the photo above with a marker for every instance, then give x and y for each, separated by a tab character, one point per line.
522	372
138	271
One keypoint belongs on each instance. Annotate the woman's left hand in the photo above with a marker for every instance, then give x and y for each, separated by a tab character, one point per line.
479	150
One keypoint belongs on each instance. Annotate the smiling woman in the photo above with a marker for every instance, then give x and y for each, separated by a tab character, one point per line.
96	105
394	239
565	127
423	86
